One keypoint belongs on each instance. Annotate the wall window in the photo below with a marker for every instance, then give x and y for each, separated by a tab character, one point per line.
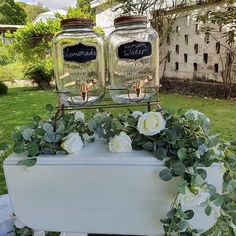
168	39
218	47
207	38
216	68
197	28
205	57
185	57
195	67
168	57
177	48
177	29
196	48
176	65
186	38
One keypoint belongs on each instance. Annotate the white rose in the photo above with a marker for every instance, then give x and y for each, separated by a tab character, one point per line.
135	114
73	143
151	123
79	116
19	224
189	200
120	143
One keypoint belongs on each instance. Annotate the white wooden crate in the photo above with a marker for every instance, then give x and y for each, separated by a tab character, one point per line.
97	192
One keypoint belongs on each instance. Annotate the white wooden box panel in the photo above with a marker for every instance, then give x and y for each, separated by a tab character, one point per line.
97	192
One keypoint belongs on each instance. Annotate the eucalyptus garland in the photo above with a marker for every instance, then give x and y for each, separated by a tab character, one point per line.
183	141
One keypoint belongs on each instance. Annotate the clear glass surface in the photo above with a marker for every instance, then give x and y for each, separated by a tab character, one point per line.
79	66
132	67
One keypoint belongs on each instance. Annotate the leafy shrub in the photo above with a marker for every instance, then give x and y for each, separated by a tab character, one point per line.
11	72
3	89
5	56
33	42
41	74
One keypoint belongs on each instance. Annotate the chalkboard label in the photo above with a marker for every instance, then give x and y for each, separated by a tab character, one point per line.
135	50
79	53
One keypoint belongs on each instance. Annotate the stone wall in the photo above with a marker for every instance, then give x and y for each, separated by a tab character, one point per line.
193	53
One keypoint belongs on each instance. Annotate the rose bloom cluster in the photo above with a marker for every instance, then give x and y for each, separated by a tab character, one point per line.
149	124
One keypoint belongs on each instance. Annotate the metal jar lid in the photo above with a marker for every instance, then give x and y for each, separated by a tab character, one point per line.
130	19
76	21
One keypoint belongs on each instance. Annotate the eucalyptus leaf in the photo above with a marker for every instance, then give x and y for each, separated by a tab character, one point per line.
182	153
232	187
29	162
178	168
182	225
171	213
27	133
60	127
165	175
49	108
92	125
50	137
19	148
33	149
160	153
219	200
37	119
40	132
233	215
48	127
197	180
208	210
149	146
202	173
17	137
189	214
212	189
182	186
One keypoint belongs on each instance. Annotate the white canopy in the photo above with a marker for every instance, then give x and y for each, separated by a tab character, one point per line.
49	15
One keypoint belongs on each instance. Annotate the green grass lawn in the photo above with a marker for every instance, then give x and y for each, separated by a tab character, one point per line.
18	107
13	71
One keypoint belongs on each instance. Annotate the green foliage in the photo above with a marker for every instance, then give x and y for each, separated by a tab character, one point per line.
83	9
6	57
23	232
186	146
177	221
11	72
33	45
3	89
11	13
32	10
34	41
224	16
46	136
40	73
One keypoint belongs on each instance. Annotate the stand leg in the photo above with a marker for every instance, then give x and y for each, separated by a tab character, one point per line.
73	234
39	233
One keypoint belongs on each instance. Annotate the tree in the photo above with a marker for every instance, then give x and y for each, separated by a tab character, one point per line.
141	7
32	11
223	18
82	9
11	13
33	44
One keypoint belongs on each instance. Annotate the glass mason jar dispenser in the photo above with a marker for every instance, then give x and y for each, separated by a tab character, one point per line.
79	63
133	60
